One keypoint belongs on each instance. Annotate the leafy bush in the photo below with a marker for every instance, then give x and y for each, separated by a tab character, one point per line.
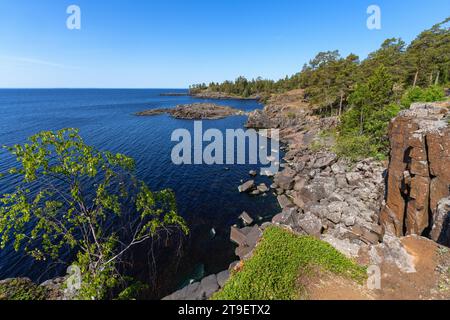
22	289
417	94
355	147
278	261
68	195
363	128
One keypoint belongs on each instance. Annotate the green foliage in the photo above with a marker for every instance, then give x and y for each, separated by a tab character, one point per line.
417	94
278	261
68	197
363	128
132	291
355	147
22	289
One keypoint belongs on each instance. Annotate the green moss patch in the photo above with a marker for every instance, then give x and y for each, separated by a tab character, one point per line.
279	261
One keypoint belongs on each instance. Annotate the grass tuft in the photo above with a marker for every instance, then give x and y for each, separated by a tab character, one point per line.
278	262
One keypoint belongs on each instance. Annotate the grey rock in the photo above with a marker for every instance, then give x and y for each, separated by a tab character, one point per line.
284	202
238	236
441	223
299	184
287	217
313	173
336	197
338	168
312	193
263	188
193	292
246	219
349	221
285	179
208	286
299	166
335	210
324	161
353	178
247	186
341	181
222	278
334	216
311	224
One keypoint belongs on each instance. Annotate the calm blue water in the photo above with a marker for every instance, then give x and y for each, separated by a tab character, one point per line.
207	196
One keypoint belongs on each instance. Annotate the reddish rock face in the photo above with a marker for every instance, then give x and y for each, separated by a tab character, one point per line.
419	169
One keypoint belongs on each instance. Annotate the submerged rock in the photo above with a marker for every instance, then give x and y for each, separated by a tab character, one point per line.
246	219
263	188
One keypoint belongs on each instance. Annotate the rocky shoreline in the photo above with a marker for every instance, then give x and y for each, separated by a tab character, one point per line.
373	212
195	111
345	203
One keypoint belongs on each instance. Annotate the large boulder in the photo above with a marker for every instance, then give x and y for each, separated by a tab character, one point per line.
284	201
285	179
324	160
246	239
311	225
419	170
287	217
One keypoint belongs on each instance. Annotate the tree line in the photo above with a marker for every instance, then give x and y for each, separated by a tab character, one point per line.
329	79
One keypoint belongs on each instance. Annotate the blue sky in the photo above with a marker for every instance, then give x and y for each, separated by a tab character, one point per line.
174	43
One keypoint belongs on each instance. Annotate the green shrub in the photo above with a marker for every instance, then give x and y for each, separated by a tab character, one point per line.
278	262
417	94
373	142
355	147
22	289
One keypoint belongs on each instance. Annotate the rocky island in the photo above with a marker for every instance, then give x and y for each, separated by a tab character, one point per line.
195	111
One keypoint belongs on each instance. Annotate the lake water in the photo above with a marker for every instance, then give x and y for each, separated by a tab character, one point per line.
207	196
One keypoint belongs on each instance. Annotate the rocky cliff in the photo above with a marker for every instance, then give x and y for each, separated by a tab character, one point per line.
419	172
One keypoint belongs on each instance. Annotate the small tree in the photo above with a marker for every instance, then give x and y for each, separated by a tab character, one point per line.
71	196
364	126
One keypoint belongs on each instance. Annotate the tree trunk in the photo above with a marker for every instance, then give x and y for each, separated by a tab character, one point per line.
437	77
416	76
340	104
361	121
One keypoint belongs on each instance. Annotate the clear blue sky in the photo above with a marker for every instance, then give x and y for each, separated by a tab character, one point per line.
174	43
